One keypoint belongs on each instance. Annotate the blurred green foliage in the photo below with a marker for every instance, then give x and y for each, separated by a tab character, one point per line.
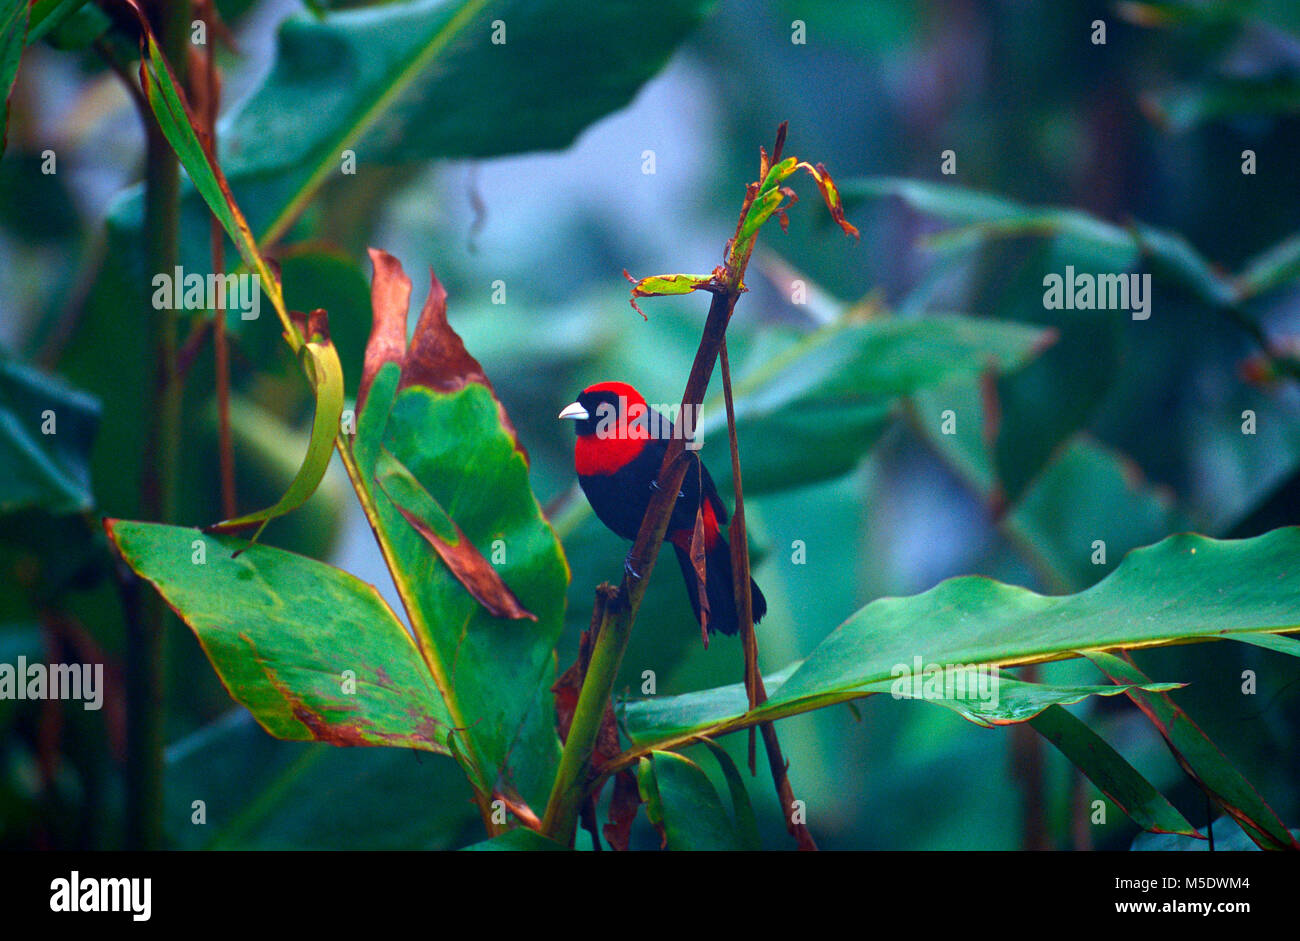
1121	430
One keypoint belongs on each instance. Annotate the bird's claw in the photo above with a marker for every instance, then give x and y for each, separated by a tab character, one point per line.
629	570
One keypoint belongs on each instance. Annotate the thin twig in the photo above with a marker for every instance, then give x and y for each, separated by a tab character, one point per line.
221	349
741	579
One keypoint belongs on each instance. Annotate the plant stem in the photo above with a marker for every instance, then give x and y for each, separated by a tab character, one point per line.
221	350
741	579
146	649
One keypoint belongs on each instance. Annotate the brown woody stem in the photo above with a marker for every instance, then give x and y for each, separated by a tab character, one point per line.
754	688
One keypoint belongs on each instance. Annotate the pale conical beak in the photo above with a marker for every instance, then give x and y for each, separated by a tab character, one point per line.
574	411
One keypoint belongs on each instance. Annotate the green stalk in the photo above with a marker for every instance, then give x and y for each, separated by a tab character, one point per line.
146	634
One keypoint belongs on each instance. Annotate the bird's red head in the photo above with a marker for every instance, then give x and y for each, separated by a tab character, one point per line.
611	419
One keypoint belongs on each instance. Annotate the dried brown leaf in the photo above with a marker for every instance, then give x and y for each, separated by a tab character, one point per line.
390	299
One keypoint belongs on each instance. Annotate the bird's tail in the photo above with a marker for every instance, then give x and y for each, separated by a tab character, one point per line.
718	589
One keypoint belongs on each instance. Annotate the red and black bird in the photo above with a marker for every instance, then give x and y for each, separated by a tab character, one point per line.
621	446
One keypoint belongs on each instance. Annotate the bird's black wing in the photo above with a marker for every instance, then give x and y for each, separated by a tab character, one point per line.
694	478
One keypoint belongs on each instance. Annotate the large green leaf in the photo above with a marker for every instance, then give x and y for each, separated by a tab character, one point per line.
412	81
1045	404
650	721
983	217
495	673
1187	587
46	432
313	652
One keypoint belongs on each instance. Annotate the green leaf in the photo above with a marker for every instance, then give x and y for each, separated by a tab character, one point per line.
681	801
49	14
423	512
988	702
1200	757
290	636
666	285
1005	700
13	37
811	410
1277	266
1116	778
259	793
746	823
325	373
678	717
1174	258
954	203
1186	587
1276	642
320	360
46	431
1058	394
669	284
167	102
413	81
983	217
495	673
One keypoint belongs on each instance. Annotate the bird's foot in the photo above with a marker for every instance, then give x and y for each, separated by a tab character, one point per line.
628	568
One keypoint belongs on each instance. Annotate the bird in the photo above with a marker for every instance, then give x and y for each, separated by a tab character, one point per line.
620	449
